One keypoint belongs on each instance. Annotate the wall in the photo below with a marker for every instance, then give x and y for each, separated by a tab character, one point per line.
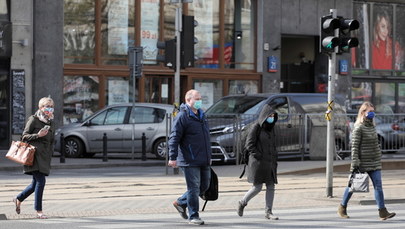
48	54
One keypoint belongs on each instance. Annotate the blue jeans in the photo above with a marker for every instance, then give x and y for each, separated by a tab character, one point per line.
37	186
197	180
378	190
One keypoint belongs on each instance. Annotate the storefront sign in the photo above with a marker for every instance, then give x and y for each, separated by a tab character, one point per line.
118	91
343	67
18	110
272	64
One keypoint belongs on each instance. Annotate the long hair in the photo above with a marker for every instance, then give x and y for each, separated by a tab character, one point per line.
376	31
362	110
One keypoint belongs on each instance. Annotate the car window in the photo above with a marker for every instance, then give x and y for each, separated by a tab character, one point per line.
237	105
115	115
147	115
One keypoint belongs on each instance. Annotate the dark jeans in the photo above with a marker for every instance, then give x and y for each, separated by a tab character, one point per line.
37	186
198	180
378	190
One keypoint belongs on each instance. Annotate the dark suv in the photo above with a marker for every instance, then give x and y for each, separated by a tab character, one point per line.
299	114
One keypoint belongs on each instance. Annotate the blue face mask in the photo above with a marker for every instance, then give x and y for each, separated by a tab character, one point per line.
270	120
370	115
197	104
48	109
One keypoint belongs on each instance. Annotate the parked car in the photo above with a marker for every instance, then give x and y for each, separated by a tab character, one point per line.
233	114
119	122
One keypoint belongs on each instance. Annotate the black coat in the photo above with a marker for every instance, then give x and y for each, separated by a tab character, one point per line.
261	145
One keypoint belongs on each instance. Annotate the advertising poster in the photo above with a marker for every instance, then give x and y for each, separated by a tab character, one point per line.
118	91
149	30
118	27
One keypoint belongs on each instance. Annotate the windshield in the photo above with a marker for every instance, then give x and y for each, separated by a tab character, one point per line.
237	105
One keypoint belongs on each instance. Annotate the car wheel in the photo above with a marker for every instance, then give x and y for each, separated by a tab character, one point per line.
159	149
73	147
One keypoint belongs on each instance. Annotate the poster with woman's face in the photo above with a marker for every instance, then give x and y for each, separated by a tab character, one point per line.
381	41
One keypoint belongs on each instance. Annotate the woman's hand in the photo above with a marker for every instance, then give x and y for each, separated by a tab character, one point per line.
42	133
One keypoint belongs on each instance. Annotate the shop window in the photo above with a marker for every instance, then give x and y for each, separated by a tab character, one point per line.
117	90
239	34
79	32
361	92
401	98
117	30
210	90
158	89
384	98
150	30
400	38
80	97
206	13
243	86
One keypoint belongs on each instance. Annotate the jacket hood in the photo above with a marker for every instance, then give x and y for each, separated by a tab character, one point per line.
266	111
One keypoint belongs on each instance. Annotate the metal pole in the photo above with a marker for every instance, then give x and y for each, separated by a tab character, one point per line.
143	147
330	142
62	149
178	53
105	157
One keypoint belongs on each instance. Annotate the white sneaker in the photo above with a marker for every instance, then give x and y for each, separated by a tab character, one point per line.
196	221
271	216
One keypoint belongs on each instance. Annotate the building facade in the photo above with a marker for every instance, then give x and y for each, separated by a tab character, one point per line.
76	51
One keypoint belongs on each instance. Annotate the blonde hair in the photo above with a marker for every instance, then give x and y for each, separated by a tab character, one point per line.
362	110
45	101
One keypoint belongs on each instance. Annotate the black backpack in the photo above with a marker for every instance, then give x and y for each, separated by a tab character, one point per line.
212	191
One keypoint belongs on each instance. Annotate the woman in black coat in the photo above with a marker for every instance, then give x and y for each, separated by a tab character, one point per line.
39	132
262	166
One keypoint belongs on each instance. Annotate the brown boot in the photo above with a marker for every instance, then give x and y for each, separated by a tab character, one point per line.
342	212
384	214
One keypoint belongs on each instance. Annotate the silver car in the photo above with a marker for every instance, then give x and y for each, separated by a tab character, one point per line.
119	122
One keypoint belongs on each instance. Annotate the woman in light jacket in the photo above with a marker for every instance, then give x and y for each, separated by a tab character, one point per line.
366	157
262	165
39	132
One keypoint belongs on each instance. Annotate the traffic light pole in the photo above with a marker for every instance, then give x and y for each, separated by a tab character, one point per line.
330	138
178	55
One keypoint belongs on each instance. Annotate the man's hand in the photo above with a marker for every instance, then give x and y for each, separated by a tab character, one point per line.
172	163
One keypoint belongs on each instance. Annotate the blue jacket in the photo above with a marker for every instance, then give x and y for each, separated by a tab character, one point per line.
189	141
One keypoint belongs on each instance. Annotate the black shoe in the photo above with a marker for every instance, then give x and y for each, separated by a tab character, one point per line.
181	210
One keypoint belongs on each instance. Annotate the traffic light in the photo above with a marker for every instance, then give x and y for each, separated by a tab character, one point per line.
345	28
169	57
188	41
328	40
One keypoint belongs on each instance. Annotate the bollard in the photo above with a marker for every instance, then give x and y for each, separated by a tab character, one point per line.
105	158
62	149
143	147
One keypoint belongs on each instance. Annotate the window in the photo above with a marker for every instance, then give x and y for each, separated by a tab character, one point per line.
80	97
149	30
117	90
117	30
115	115
79	32
206	12
243	86
384	98
147	115
211	91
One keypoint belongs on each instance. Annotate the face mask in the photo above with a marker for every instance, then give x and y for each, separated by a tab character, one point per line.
270	120
197	104
48	110
370	115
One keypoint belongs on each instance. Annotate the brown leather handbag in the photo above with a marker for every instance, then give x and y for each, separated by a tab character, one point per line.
21	152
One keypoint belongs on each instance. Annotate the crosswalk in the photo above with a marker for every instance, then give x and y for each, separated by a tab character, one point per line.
361	217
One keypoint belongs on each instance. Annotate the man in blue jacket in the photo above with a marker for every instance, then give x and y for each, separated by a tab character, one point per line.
190	149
